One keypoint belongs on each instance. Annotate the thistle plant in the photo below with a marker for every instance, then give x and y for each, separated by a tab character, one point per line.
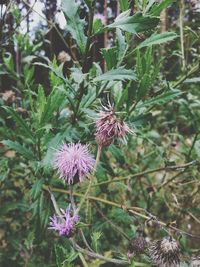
78	192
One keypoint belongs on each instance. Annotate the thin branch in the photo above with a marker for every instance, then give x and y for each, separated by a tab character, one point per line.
166	168
136	211
96	255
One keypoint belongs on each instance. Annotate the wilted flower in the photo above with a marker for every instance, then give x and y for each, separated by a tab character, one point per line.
165	252
136	246
109	127
8	96
73	162
64	57
65	223
101	17
195	261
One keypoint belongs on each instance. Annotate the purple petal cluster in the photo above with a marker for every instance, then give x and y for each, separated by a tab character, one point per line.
109	127
65	223
73	162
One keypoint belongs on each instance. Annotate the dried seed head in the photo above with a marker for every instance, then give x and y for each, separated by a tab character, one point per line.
195	260
109	127
136	246
165	252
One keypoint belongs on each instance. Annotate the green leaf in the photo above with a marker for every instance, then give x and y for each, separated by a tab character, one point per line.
124	5
20	122
156	9
19	148
119	74
95	240
110	56
158	39
134	24
149	5
54	101
36	189
160	99
121	43
40	103
193	80
74	24
143	86
57	71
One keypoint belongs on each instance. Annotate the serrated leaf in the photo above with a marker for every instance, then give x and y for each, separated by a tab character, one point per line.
19	148
120	74
143	86
160	99
121	43
95	240
156	9
41	102
54	101
124	5
158	39
20	122
74	24
134	24
57	71
36	189
110	56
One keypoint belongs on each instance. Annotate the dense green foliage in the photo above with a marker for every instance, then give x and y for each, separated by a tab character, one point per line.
149	184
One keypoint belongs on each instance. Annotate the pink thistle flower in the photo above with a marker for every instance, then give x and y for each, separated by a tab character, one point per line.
109	127
65	223
73	162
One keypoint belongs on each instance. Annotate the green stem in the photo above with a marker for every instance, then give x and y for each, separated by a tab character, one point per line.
85	65
166	168
192	147
136	211
181	16
183	78
90	182
54	202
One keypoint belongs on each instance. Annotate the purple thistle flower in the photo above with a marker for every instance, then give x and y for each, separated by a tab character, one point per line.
109	127
65	223
73	162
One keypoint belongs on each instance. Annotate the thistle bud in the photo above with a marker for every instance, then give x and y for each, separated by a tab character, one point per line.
109	128
165	252
136	246
195	261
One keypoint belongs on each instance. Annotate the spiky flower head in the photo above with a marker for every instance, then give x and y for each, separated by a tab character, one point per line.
64	223
165	252
109	127
195	260
137	246
73	162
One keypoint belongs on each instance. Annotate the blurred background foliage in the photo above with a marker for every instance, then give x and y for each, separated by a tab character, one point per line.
52	78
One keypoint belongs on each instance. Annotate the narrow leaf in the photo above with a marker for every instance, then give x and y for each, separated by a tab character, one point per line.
156	9
74	24
19	148
134	24
158	39
120	74
20	122
160	99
